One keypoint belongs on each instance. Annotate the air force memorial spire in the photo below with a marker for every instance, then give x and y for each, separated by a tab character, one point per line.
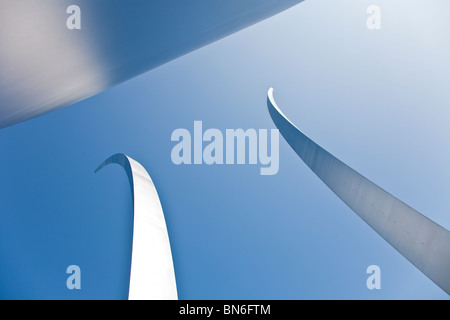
423	242
54	53
152	274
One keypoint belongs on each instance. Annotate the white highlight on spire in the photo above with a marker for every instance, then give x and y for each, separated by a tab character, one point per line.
152	274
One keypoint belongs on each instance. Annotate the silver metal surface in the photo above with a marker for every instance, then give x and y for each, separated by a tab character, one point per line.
45	65
152	274
423	242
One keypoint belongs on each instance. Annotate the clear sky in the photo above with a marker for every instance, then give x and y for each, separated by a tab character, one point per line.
376	99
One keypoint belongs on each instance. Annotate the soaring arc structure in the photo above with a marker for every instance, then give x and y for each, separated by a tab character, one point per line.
46	66
152	274
423	242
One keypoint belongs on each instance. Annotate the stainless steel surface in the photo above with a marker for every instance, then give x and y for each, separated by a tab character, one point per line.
423	242
45	65
152	274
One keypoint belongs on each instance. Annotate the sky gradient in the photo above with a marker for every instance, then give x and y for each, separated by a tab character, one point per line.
376	99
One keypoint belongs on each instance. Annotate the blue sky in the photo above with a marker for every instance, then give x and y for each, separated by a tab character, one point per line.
378	100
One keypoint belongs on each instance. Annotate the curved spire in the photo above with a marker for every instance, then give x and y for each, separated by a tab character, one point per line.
423	242
152	274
